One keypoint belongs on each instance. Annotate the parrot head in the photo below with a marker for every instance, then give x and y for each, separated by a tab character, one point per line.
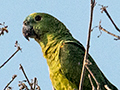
37	25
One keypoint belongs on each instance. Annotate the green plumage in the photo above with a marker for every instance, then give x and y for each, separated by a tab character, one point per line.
63	53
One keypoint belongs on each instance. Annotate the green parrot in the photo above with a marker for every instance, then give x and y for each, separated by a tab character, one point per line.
64	54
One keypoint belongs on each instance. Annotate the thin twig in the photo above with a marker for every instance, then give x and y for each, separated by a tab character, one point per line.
101	28
106	86
22	86
14	76
26	76
93	88
18	48
34	82
88	44
98	85
105	10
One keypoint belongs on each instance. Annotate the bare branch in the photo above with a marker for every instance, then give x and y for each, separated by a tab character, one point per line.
26	76
13	77
105	10
22	86
88	45
93	88
34	83
18	48
101	28
98	85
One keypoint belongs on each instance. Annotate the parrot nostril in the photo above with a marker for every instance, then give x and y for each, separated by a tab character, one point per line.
25	22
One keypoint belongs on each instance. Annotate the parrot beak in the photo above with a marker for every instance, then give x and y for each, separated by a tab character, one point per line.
28	31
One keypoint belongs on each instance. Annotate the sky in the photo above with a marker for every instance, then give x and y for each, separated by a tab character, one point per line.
75	15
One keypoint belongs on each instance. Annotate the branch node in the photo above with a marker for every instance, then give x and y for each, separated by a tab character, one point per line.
94	28
3	29
101	28
103	8
106	12
18	48
87	62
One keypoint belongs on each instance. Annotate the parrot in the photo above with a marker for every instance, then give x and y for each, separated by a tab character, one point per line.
63	53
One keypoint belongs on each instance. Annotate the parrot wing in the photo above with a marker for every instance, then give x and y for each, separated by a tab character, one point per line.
71	58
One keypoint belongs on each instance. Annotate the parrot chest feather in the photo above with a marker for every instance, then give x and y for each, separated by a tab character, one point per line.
58	79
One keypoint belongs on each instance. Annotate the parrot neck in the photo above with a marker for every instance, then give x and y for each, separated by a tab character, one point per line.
49	40
50	45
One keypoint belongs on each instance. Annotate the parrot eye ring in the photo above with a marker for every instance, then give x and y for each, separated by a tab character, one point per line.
38	18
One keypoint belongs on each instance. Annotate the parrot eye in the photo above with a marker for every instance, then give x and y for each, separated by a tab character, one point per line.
38	18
